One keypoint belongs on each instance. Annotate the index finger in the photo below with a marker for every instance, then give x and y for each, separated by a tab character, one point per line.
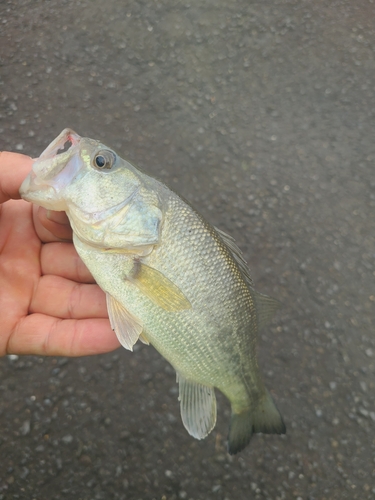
14	167
62	259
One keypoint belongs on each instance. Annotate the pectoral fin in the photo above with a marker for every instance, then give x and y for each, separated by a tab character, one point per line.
127	328
198	407
159	288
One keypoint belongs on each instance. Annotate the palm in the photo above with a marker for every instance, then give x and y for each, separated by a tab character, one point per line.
49	303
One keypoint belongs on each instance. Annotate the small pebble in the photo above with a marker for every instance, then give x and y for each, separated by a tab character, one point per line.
67	439
25	428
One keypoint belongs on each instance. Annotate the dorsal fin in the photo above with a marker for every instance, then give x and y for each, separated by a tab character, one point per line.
266	307
231	244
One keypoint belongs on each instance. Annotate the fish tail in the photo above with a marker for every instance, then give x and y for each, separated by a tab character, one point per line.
265	418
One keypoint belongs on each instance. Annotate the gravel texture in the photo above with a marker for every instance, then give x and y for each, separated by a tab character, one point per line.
262	115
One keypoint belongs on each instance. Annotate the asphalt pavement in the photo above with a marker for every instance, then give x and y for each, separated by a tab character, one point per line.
261	114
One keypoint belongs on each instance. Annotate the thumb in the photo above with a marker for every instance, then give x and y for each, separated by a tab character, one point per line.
14	167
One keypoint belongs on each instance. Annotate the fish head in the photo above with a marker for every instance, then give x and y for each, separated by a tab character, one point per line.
100	192
79	173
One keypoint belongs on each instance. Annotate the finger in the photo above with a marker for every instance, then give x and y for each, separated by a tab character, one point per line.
14	167
39	334
63	298
57	217
49	229
61	259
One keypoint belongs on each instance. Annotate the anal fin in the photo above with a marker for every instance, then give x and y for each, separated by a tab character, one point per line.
127	328
198	407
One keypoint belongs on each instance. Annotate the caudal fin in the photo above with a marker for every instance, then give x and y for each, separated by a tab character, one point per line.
265	418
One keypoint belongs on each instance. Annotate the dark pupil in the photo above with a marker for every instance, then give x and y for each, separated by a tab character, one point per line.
100	161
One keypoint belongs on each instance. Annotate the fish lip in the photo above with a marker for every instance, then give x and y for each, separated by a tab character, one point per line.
29	187
67	135
56	158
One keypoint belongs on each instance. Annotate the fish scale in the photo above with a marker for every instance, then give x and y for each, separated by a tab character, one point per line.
210	282
171	280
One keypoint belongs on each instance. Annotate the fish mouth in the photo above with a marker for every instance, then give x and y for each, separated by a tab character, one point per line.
62	144
55	158
52	170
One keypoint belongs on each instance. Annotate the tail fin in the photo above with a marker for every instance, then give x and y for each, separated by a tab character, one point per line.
264	418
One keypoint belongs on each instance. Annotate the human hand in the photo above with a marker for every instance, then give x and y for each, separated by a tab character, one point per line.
49	304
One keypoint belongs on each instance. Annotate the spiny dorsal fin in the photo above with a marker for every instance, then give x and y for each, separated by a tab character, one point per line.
198	407
231	244
266	306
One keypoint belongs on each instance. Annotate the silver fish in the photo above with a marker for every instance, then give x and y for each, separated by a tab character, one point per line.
171	280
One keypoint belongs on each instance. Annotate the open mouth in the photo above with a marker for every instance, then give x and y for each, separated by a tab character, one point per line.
63	142
52	171
55	157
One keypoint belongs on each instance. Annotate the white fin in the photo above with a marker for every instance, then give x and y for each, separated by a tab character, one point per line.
231	244
126	326
198	407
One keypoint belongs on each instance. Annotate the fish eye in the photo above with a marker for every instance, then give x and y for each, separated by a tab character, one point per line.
100	161
104	160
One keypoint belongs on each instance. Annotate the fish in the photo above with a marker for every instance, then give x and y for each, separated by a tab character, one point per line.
170	278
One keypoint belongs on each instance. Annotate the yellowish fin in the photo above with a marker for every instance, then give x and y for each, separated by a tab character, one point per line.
143	338
158	288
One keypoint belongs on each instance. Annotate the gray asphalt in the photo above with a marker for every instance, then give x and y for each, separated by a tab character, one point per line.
262	115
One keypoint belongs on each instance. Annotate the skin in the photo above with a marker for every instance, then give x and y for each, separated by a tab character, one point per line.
49	302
